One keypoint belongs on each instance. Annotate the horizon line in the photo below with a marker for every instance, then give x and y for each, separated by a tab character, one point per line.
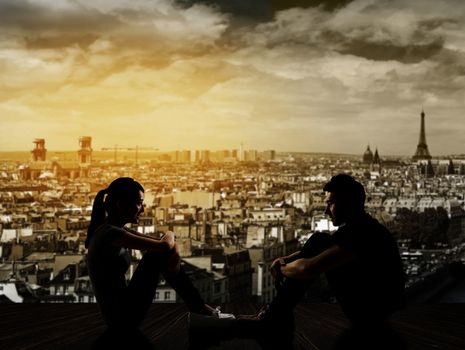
223	149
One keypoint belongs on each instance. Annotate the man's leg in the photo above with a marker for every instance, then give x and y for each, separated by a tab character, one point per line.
291	291
276	331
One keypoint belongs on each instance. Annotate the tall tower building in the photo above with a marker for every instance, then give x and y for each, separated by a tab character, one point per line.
39	152
422	148
205	156
85	151
197	156
184	156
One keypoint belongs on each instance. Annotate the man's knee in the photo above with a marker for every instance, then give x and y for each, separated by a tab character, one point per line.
316	244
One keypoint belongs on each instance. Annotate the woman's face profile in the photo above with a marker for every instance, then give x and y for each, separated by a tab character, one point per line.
132	207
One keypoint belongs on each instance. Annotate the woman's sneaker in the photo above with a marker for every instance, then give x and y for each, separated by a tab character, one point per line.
222	315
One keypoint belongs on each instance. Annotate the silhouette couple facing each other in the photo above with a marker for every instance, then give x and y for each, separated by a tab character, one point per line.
360	260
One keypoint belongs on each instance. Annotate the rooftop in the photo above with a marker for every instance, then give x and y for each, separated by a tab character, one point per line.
319	326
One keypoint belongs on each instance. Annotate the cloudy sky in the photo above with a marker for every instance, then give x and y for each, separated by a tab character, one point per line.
287	75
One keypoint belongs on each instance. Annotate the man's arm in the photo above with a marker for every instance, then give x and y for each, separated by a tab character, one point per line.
287	259
276	264
291	257
310	267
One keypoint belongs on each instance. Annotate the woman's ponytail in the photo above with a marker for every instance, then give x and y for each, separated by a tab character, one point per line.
122	188
98	215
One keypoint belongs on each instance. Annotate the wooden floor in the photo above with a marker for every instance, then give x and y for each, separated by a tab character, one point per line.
318	326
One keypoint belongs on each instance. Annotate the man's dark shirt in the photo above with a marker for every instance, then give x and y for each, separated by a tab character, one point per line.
370	287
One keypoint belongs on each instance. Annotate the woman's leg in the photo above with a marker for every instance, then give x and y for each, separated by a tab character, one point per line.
182	284
142	286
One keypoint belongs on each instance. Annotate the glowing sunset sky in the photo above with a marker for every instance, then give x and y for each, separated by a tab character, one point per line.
212	74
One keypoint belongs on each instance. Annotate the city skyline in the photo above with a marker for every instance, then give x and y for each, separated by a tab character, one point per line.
173	75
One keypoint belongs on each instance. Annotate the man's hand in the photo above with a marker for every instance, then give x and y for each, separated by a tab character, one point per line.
296	269
275	267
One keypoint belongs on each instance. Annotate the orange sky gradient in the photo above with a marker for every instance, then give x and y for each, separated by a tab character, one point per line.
174	76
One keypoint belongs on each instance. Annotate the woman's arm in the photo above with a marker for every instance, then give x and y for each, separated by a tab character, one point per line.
134	232
131	240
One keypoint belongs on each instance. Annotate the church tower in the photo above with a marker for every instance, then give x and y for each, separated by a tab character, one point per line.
39	152
85	152
422	148
85	155
376	159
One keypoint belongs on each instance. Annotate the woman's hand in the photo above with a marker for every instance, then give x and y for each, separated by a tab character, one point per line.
169	238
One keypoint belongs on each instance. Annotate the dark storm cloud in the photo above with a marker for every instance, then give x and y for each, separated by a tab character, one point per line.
107	37
329	5
257	9
358	32
389	51
265	9
32	17
42	26
144	25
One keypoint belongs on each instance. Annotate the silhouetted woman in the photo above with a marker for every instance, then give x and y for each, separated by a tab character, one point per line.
125	304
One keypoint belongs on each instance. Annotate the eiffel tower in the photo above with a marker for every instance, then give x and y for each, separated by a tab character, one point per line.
422	148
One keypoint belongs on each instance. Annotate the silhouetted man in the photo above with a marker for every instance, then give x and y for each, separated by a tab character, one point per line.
361	262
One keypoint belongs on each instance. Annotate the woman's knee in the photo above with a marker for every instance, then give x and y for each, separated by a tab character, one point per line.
151	256
163	260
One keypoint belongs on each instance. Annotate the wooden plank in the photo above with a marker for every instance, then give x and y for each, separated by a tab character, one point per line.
318	326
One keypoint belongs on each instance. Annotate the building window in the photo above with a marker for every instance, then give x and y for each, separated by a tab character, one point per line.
167	295
157	295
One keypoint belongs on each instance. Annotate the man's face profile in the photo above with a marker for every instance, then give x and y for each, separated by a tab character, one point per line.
335	208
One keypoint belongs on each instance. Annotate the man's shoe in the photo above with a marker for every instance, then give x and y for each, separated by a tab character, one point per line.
259	316
205	331
272	329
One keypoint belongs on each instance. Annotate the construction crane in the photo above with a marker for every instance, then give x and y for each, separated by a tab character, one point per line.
117	148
